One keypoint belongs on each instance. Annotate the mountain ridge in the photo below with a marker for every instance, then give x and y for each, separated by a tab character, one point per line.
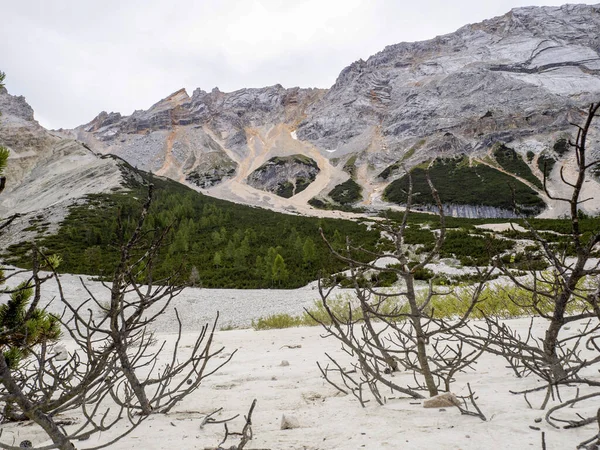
518	79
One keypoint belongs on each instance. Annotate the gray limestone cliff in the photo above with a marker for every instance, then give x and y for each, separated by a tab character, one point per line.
520	78
511	77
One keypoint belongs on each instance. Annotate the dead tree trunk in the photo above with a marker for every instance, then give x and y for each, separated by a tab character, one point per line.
415	318
30	410
389	330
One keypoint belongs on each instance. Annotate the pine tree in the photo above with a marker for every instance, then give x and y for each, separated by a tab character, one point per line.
218	259
20	331
280	272
309	252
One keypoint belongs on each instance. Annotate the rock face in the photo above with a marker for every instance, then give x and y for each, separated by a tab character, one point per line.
285	176
45	173
177	133
520	78
506	78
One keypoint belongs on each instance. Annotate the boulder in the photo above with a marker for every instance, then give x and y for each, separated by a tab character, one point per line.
442	401
289	422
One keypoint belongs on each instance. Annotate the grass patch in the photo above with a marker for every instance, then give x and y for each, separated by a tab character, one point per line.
495	301
277	321
350	166
512	162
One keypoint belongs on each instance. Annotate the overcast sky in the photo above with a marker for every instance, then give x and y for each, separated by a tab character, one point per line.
72	59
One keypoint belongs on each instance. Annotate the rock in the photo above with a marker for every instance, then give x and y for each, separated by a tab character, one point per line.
495	81
444	400
285	176
284	363
26	444
60	353
520	78
289	422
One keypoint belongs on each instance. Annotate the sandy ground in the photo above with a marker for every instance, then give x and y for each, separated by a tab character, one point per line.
500	227
590	190
277	141
328	420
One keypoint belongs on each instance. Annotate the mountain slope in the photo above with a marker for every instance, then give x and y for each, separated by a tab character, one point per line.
72	203
45	173
517	79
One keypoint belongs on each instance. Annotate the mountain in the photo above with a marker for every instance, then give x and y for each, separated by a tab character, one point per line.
516	80
46	173
78	204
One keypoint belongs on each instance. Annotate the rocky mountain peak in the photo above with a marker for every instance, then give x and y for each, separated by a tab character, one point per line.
15	107
46	171
177	98
101	120
517	79
352	72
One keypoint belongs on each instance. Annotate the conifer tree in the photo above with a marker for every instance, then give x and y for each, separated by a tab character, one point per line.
280	272
309	251
21	330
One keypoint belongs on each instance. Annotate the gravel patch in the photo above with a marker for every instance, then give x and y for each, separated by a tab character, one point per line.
237	308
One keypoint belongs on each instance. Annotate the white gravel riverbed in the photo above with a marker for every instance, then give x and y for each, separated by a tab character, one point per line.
237	308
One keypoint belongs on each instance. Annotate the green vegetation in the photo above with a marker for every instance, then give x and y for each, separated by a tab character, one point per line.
546	163
512	162
26	332
421	221
347	192
458	183
285	189
474	246
561	146
230	245
302	183
297	158
495	301
390	170
471	249
3	158
277	321
350	166
211	177
321	203
341	305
